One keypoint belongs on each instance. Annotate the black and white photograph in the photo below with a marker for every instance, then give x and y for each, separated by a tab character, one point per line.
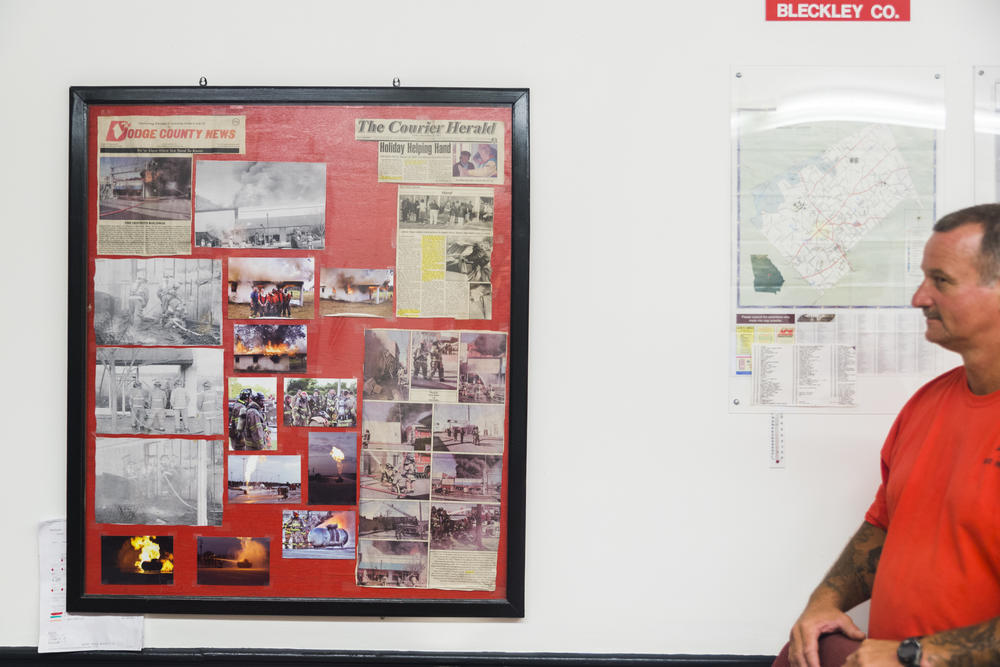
158	301
137	559
393	520
333	468
483	368
321	402
386	368
270	288
253	413
269	348
403	475
234	561
468	428
392	564
466	477
465	526
158	390
395	425
158	481
144	188
480	301
435	360
322	535
356	292
469	258
256	479
246	204
427	209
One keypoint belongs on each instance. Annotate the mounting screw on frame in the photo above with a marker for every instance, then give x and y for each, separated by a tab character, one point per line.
202	82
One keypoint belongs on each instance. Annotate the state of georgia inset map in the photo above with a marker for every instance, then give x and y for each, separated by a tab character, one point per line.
832	213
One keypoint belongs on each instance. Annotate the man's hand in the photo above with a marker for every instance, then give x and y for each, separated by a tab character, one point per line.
874	652
816	620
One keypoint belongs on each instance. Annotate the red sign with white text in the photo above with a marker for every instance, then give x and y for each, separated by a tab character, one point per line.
858	10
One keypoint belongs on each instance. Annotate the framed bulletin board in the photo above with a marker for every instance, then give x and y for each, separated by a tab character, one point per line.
297	351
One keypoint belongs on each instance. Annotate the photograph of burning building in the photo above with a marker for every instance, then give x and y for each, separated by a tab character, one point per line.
395	475
393	425
270	288
244	204
393	520
321	402
269	348
137	559
432	208
325	535
389	563
144	188
468	428
159	301
386	369
260	479
356	292
468	258
173	482
465	526
157	390
483	368
466	477
244	432
234	561
435	360
333	468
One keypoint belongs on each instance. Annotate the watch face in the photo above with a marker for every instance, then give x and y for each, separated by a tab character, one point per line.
909	652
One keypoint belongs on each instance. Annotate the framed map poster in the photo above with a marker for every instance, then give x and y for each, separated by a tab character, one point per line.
298	324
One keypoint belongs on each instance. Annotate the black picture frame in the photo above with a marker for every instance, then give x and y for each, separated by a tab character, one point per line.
81	100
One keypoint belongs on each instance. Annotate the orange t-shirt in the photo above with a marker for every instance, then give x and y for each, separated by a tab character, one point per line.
939	502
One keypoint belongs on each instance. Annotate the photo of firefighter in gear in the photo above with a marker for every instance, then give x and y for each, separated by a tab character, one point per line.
158	301
435	360
318	535
321	402
402	475
257	431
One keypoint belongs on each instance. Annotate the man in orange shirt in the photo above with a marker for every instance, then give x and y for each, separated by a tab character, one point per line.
928	552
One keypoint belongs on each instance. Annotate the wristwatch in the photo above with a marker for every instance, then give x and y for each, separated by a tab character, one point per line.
909	652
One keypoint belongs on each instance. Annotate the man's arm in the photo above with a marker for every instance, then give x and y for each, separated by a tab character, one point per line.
847	584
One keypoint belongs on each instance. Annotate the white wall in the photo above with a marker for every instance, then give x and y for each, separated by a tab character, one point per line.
654	524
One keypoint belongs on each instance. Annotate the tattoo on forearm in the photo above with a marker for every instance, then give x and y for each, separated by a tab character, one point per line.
851	577
966	647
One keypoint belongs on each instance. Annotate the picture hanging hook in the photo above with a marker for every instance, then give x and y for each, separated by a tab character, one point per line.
395	82
202	82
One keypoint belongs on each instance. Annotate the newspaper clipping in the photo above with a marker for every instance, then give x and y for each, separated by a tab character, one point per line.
144	178
436	151
431	469
444	253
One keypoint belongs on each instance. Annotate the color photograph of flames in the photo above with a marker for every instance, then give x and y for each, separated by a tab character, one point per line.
269	348
139	559
234	561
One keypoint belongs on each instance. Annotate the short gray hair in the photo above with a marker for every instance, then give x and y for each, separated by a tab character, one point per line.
987	215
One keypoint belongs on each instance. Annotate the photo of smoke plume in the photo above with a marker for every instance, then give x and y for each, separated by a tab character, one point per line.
356	292
148	481
144	188
327	535
468	428
270	288
392	564
159	301
482	368
242	204
468	258
234	561
393	520
137	559
157	390
426	209
402	475
333	468
466	477
269	348
260	479
386	369
400	426
245	434
321	402
465	526
435	360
